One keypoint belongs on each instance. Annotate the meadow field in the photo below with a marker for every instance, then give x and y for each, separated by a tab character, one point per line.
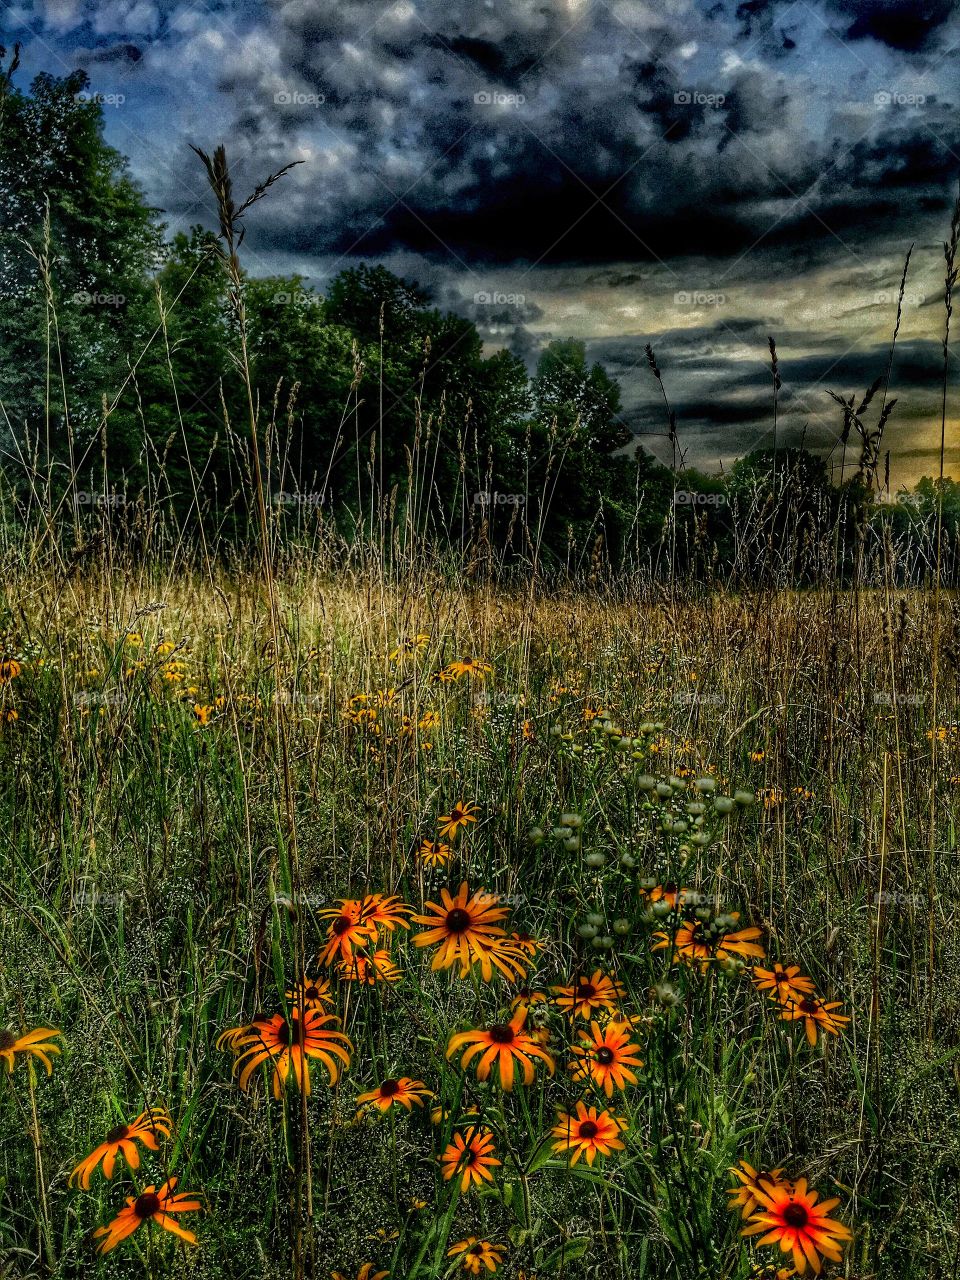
366	925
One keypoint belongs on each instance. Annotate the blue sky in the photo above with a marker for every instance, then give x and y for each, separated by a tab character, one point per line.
696	175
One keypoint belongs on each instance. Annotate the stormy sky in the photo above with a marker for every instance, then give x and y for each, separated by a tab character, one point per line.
697	174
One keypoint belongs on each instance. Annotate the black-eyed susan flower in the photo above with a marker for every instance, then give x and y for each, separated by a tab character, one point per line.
470	1157
475	668
475	1254
607	1056
288	1044
506	1045
698	942
384	911
588	1132
461	815
9	670
409	647
743	1199
526	999
153	1205
434	853
585	996
122	1140
348	929
37	1043
310	993
526	943
402	1091
784	982
815	1013
369	966
790	1216
461	925
368	1271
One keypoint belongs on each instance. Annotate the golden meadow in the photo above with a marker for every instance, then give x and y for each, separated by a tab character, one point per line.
365	926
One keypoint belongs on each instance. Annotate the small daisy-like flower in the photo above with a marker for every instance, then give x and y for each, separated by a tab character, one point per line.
585	996
525	999
606	1056
470	1157
788	1215
310	993
815	1013
462	925
475	668
434	853
385	911
507	1045
460	815
784	982
368	1271
202	713
9	670
403	1091
743	1199
288	1044
35	1042
698	941
474	1254
123	1141
348	929
409	647
369	967
588	1133
154	1206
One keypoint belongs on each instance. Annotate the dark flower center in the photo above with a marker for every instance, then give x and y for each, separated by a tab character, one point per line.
341	925
796	1215
147	1205
808	1005
7	1040
458	920
118	1134
291	1033
389	1088
589	1129
604	1056
476	1248
586	991
501	1034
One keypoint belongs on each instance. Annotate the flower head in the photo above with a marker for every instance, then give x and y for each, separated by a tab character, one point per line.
475	1254
788	1215
403	1091
288	1044
815	1013
35	1042
507	1045
467	930
784	982
470	1157
743	1198
585	996
607	1056
154	1206
122	1140
460	815
588	1133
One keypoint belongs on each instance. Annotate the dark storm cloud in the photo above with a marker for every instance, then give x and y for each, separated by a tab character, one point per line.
909	25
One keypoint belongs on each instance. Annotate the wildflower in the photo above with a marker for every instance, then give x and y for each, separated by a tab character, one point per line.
505	1043
791	1217
525	999
586	995
409	647
699	942
434	853
369	967
471	1158
384	911
408	1093
475	1253
348	928
606	1056
151	1206
462	925
743	1198
472	667
9	670
287	1044
815	1013
310	993
11	715
122	1140
758	756
589	1133
784	982
461	815
367	1272
202	714
526	943
35	1042
429	720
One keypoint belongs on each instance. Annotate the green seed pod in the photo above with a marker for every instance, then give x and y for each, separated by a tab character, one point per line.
666	995
555	731
702	913
723	804
679	828
576	749
536	836
696	807
587	930
648	882
628	860
664	790
572	844
661	908
659	726
571	820
561	833
745	799
624	744
603	944
621	926
648	727
596	860
706	785
595	918
676	783
645	782
701	840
